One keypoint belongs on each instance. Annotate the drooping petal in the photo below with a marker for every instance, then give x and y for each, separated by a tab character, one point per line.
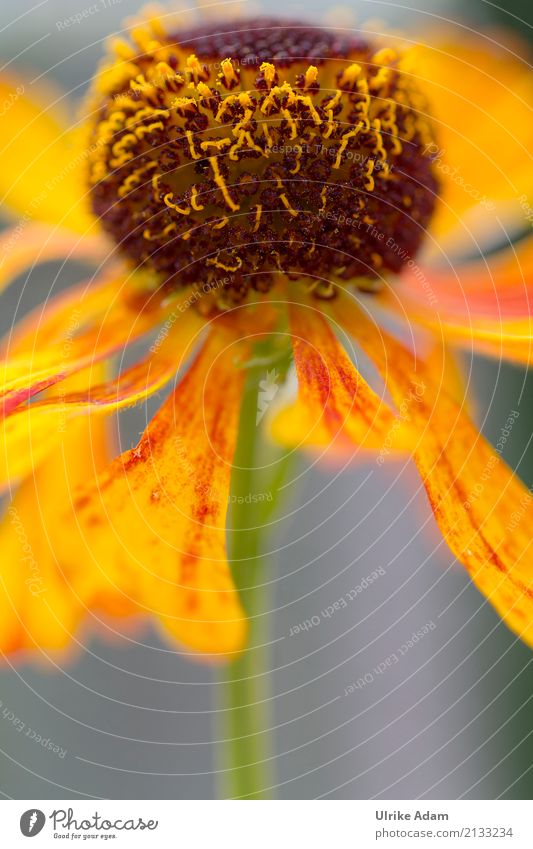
41	163
334	401
30	432
483	510
151	532
480	91
136	383
39	605
72	337
63	314
484	306
26	438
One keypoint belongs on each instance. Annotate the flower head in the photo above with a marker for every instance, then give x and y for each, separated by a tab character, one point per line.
307	155
252	176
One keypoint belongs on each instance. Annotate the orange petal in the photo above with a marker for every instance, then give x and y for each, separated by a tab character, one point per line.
41	164
27	437
72	309
483	306
334	402
31	431
483	510
136	383
480	92
151	532
95	330
39	606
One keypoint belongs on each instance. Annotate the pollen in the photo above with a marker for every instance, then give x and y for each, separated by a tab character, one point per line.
260	148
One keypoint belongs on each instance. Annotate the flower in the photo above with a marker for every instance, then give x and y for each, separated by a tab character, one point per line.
234	177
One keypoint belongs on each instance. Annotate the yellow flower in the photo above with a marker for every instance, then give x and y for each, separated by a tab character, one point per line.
233	178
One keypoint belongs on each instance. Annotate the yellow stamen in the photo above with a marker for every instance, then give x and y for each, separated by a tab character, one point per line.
219	180
167	200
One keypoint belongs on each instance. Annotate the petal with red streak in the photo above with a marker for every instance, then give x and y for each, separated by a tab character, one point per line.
151	532
72	336
483	510
334	404
30	431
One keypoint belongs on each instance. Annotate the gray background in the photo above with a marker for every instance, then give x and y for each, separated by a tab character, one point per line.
452	719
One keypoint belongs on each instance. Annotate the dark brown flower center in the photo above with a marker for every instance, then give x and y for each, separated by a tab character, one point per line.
227	155
252	42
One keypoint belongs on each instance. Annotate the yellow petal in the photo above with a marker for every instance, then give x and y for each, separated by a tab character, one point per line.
39	605
41	167
481	95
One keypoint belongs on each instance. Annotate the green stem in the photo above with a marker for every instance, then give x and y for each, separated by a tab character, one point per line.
247	762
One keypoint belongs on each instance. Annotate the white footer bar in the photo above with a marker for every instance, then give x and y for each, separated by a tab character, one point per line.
264	825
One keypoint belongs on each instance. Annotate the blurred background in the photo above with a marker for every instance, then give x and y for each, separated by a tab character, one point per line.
451	719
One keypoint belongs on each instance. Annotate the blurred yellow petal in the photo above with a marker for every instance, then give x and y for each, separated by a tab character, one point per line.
25	441
481	95
41	163
40	606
